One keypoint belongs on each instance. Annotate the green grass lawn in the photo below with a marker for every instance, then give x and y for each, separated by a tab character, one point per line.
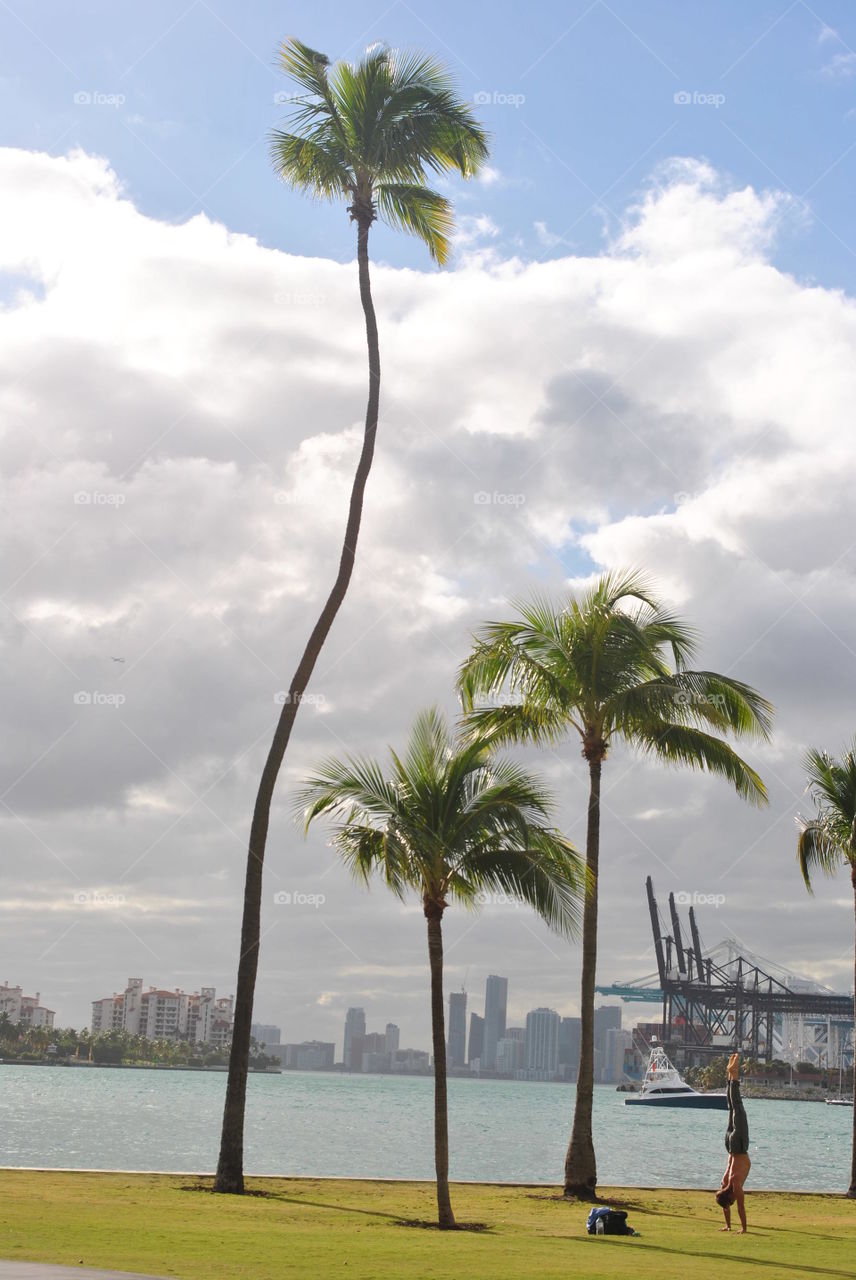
311	1227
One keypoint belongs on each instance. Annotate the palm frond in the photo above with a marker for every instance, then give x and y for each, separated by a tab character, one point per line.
829	838
618	585
313	166
832	782
419	211
702	698
355	785
547	873
424	115
517	722
450	819
310	69
692	748
305	65
818	849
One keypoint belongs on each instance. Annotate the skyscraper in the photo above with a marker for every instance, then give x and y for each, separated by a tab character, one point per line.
456	1049
616	1043
495	1002
355	1025
510	1056
605	1016
542	1042
392	1034
476	1042
264	1033
569	1047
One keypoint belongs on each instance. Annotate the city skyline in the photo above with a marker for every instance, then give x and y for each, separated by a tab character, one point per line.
159	1013
546	1047
638	1014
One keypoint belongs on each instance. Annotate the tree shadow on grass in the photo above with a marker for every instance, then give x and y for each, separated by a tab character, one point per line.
394	1218
479	1228
800	1270
754	1229
557	1197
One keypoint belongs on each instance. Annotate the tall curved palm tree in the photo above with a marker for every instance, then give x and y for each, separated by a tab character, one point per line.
369	134
828	841
449	822
608	666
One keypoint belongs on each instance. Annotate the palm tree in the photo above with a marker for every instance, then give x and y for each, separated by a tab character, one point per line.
609	666
367	134
828	840
449	822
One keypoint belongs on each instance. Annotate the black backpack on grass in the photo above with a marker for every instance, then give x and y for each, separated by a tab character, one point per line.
614	1222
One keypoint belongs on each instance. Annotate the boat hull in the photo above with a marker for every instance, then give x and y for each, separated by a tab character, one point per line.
692	1102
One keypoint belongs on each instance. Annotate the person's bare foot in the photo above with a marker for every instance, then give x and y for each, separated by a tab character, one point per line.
742	1231
725	1228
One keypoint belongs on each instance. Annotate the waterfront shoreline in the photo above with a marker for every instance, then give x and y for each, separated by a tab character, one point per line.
756	1093
296	1178
135	1066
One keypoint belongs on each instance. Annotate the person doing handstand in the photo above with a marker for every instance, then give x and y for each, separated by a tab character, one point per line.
737	1146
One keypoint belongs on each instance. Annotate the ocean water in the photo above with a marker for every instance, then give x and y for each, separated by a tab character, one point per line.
381	1126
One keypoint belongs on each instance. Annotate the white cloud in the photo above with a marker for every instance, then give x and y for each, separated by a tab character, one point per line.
676	402
547	237
472	228
840	67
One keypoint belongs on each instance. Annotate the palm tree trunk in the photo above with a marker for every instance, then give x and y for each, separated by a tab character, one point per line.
580	1166
230	1168
445	1217
851	1191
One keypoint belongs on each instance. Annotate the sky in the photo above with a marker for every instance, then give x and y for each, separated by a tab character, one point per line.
642	354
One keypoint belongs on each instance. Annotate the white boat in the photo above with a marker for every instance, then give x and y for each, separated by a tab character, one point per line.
840	1101
663	1087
